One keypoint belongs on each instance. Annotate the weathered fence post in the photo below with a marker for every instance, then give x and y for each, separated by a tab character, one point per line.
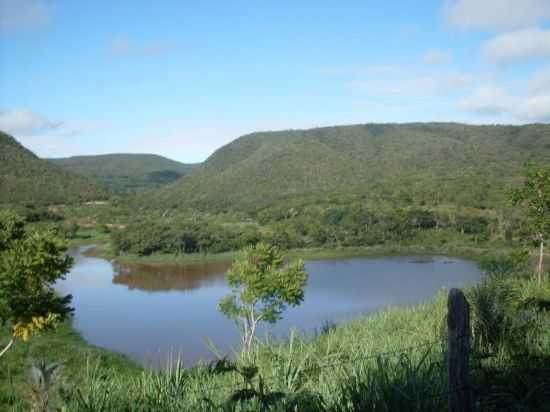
458	323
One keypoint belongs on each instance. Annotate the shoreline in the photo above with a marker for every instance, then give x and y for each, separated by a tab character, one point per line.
101	250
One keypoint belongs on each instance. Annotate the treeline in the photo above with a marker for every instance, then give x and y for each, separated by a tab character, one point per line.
179	236
290	228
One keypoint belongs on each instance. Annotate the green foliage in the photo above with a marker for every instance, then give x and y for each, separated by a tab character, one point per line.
26	179
511	344
181	236
30	262
514	263
491	303
126	173
432	164
262	286
405	384
257	396
62	346
534	197
306	226
70	228
43	378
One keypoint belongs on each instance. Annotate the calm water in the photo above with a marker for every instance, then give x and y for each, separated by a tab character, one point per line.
153	312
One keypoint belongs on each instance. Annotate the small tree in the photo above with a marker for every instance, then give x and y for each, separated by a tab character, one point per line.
30	262
534	197
262	287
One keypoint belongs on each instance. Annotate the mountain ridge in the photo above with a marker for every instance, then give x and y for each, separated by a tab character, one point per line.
125	172
26	178
409	159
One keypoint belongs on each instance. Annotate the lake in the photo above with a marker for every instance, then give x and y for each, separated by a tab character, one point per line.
154	312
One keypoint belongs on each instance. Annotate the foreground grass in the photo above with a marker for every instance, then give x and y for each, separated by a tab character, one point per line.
64	346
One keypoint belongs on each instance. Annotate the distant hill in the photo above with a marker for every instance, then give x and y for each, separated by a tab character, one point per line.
422	163
123	173
25	178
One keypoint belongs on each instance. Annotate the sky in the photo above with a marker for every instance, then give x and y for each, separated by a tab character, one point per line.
183	78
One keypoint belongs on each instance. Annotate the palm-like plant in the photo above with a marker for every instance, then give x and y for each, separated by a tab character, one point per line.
43	378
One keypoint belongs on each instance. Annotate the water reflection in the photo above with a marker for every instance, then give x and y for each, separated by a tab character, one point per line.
164	277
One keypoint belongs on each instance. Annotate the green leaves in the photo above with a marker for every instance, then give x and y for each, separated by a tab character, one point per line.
262	287
534	198
262	282
12	228
30	263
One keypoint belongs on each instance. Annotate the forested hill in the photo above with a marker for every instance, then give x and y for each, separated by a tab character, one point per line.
425	164
25	178
123	173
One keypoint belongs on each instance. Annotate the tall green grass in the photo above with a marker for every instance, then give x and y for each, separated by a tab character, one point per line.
393	360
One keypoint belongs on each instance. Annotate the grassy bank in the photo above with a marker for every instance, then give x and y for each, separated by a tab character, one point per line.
87	236
472	251
103	248
392	360
64	346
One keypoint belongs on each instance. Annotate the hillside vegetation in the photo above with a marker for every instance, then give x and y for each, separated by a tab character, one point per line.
426	164
27	179
124	173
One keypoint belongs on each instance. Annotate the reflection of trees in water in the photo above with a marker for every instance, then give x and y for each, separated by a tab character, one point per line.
157	278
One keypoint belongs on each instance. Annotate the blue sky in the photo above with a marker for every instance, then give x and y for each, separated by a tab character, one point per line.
182	78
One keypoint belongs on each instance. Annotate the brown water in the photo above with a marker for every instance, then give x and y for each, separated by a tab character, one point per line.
154	312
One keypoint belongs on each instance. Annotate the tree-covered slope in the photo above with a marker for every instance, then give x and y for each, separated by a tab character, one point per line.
126	172
25	178
432	163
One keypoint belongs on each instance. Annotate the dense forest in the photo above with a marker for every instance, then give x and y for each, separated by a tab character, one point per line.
430	164
125	173
328	226
26	179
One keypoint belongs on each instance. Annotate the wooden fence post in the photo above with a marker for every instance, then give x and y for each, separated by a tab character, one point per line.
458	323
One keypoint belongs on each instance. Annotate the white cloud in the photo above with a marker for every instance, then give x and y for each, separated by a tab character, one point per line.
540	83
411	82
23	15
122	46
494	100
23	121
487	100
435	57
535	108
518	46
495	14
